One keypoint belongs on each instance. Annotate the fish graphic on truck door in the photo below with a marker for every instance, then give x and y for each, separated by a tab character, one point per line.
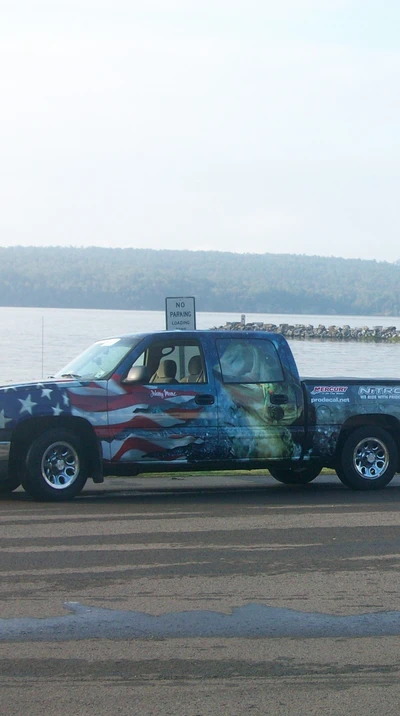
258	403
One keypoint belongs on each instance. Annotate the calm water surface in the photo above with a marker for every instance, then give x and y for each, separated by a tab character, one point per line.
36	342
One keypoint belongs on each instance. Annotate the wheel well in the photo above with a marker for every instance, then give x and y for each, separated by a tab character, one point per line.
28	430
386	422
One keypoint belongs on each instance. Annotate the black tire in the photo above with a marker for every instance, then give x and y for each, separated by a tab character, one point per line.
9	485
368	460
55	466
342	476
296	475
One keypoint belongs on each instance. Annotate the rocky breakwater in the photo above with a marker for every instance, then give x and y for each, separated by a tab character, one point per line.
331	333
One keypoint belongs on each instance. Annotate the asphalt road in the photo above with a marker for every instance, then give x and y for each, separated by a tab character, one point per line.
201	596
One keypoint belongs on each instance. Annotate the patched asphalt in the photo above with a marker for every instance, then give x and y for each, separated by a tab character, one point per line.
201	595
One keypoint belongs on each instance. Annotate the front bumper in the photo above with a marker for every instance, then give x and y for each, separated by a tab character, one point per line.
4	458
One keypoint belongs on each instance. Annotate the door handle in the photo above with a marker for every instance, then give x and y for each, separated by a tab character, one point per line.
204	399
279	399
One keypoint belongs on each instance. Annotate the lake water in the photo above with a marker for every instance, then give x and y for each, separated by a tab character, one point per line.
36	342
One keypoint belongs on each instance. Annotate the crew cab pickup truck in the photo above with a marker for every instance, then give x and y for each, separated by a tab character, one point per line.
198	400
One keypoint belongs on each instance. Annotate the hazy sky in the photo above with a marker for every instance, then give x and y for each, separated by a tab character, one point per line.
237	125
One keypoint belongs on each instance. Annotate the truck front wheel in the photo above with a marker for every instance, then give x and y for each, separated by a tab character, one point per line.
295	475
55	466
368	460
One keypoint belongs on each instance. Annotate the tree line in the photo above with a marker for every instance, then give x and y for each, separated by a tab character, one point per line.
140	279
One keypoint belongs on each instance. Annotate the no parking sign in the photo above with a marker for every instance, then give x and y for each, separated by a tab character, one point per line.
180	313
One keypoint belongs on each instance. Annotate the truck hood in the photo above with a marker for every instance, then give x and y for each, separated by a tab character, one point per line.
34	385
50	398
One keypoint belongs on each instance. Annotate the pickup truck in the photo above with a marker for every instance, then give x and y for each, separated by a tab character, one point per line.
197	400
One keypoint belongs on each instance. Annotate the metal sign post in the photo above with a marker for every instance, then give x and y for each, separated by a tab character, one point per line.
180	313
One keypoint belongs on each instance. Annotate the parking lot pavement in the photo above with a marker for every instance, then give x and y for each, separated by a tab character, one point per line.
193	595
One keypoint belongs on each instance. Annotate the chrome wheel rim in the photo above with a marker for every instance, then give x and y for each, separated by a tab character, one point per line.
60	465
370	459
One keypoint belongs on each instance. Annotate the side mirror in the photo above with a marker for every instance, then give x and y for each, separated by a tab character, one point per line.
138	374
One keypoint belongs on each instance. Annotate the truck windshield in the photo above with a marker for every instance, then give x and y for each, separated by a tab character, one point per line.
100	360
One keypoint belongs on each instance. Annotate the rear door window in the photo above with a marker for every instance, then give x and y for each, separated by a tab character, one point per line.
249	361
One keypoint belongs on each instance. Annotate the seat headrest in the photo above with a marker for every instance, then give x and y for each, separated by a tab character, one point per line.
195	367
167	369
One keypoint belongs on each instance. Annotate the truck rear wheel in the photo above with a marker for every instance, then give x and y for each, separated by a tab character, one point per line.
55	466
368	460
295	475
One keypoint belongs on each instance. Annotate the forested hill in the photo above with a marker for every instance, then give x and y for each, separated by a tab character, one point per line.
142	278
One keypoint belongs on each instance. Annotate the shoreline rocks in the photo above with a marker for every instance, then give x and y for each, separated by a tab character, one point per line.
377	334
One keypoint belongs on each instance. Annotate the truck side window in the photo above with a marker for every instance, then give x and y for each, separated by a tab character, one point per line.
249	361
179	361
